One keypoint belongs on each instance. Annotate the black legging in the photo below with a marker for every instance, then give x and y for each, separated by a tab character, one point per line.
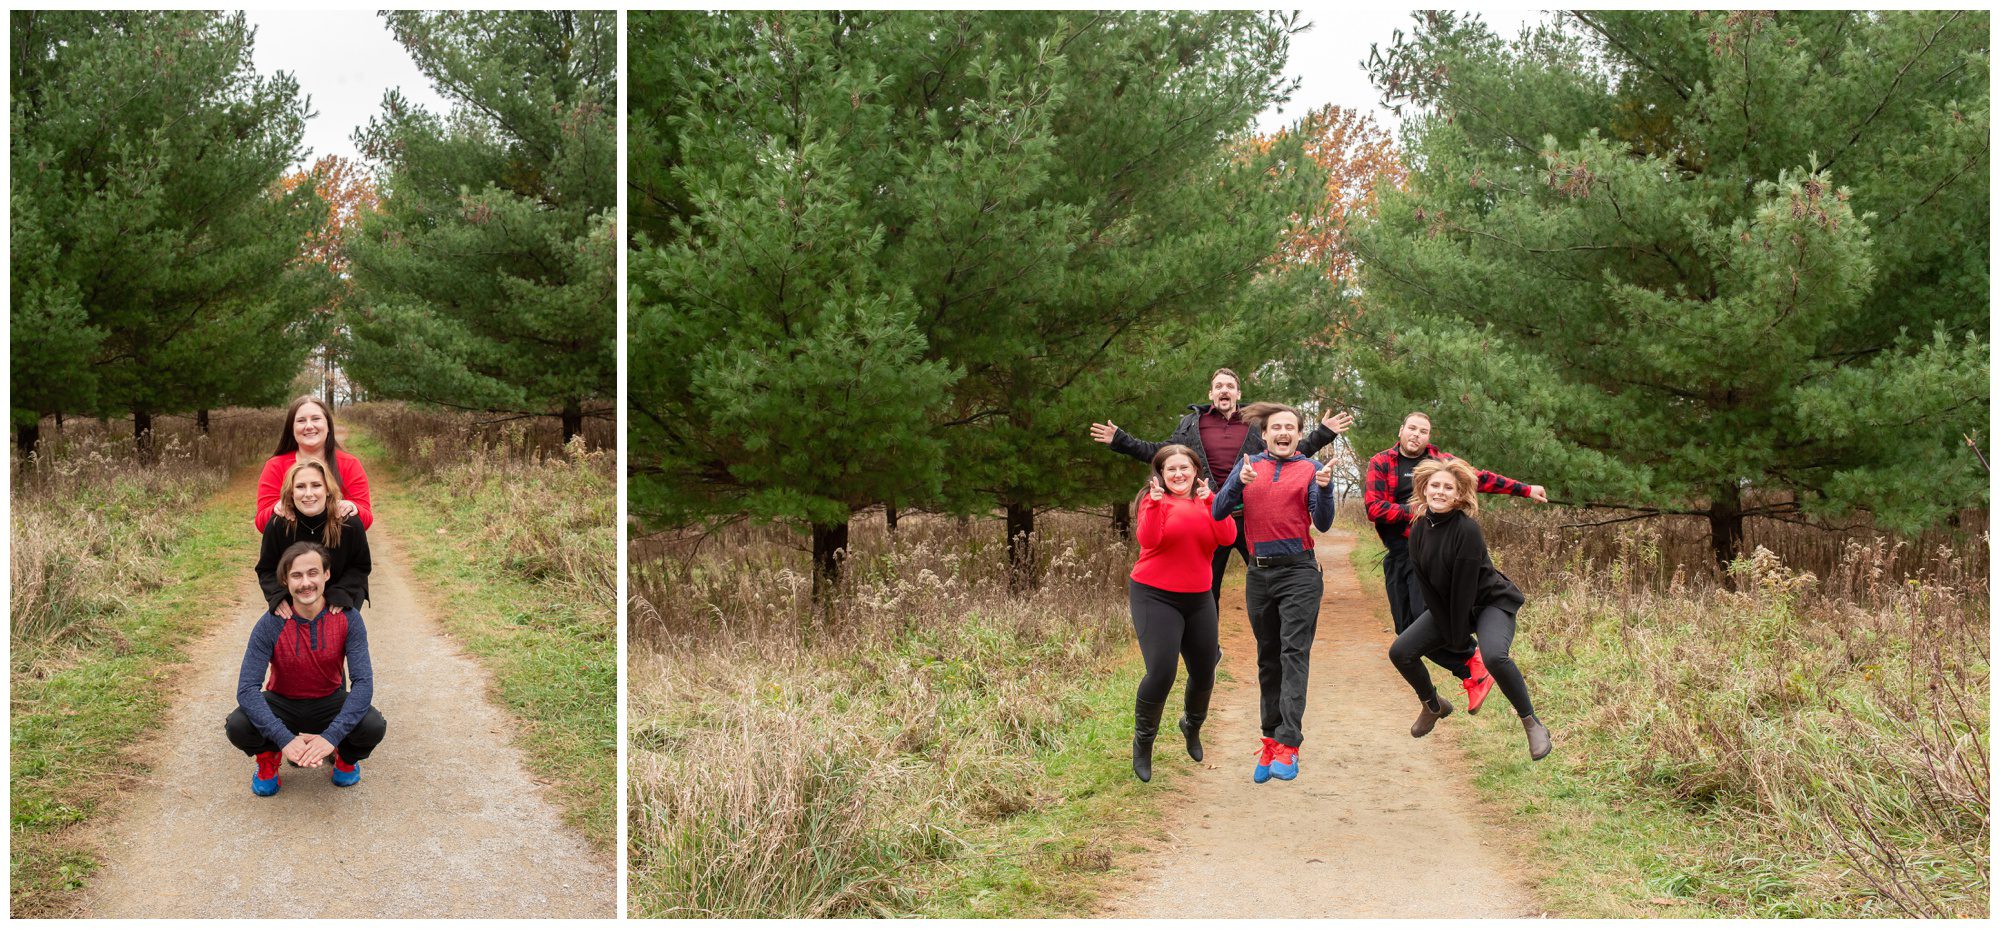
1495	631
1171	625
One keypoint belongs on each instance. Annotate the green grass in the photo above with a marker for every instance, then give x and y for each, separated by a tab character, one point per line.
1057	859
553	656
76	714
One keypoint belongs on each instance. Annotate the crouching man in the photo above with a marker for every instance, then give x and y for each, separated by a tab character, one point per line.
304	716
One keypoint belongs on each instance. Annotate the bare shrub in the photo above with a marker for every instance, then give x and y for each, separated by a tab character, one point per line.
1828	715
426	440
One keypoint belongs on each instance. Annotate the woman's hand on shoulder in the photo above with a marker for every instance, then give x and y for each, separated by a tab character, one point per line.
280	509
347	508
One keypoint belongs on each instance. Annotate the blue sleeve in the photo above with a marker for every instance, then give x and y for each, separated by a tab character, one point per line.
250	679
360	682
1319	500
1231	495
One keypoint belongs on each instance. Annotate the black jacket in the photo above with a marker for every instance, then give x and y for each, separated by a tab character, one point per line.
1188	433
349	585
1448	554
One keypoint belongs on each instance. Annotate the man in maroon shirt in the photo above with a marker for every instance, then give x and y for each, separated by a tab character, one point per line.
1217	433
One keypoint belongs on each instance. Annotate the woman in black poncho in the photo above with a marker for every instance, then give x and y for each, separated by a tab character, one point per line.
1466	596
312	513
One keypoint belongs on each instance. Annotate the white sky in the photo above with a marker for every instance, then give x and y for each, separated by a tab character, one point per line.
1329	58
344	60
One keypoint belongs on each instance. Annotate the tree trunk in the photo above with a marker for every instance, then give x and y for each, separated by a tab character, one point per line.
889	515
1725	524
829	548
142	435
1020	550
572	426
28	437
1121	519
201	420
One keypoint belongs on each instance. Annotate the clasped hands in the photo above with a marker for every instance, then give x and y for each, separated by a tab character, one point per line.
307	751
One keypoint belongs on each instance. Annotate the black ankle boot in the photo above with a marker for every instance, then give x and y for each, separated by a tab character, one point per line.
1191	719
1145	728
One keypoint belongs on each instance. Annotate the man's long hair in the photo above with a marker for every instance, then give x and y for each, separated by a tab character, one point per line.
1256	413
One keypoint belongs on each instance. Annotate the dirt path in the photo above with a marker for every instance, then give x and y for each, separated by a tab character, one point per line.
445	822
1377	824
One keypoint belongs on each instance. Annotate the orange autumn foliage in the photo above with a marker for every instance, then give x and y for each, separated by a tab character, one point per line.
1359	157
349	192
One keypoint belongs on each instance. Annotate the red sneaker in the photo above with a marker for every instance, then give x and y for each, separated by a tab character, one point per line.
265	782
1285	762
1478	685
1262	772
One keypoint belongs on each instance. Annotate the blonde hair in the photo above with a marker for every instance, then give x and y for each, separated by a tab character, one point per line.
1462	473
333	519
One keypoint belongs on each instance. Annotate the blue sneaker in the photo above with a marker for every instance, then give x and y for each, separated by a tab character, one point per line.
265	782
1262	772
1285	762
345	773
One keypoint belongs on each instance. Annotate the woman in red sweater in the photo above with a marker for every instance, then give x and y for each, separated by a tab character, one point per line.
1173	610
309	435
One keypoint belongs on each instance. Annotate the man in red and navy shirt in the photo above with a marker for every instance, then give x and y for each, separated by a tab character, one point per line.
1386	492
1284	496
1219	436
304	715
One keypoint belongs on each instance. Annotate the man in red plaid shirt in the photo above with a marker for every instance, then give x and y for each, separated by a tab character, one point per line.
1386	492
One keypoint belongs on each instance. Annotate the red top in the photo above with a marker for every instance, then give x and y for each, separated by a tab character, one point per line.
1177	542
353	485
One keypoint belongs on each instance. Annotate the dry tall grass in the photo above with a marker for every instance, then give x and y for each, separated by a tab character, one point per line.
547	508
789	760
91	526
424	441
1828	716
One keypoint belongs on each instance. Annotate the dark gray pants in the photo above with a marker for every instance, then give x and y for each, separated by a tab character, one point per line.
1494	628
1406	603
1284	614
308	716
1221	564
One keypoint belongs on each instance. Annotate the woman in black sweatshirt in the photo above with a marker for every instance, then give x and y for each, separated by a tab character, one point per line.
309	496
1466	597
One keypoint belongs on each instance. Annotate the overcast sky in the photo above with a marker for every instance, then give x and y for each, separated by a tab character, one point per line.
344	61
1328	57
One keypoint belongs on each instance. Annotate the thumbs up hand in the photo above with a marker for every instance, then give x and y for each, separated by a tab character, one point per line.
1249	473
1324	477
1153	491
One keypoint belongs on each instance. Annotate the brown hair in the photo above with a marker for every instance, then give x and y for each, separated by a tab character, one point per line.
288	443
1256	413
302	548
333	518
1467	478
1232	376
1426	416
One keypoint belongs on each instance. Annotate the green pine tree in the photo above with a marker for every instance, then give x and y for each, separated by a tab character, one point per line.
1713	264
1054	207
488	279
155	267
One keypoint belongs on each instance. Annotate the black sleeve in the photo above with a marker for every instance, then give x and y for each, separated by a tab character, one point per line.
276	535
1319	438
1125	443
350	589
